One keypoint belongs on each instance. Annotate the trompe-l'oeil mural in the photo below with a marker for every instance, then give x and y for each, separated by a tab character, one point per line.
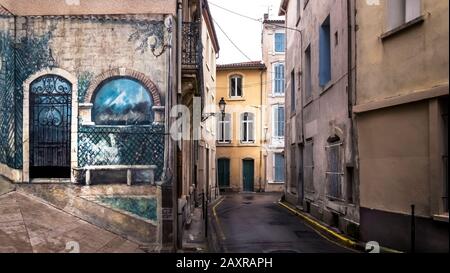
122	101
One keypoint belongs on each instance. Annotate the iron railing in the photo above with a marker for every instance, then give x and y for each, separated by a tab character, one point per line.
191	45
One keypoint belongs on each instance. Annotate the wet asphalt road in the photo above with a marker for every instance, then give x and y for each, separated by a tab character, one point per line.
255	223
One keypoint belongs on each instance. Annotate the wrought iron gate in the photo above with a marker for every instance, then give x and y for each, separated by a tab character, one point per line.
50	120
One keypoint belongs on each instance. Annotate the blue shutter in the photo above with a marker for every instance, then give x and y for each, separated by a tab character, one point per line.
279	168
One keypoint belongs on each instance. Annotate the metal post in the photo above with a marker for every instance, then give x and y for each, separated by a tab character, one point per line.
413	229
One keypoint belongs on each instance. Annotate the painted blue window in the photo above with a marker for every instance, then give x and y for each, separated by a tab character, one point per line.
122	101
280	42
279	167
325	53
278	79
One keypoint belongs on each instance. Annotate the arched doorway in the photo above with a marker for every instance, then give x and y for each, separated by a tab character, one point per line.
50	120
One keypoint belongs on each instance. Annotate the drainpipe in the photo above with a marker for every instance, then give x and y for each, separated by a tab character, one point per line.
261	171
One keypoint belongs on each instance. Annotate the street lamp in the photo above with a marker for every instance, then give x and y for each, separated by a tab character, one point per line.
222	106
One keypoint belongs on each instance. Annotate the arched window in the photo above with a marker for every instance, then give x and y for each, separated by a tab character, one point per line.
236	86
122	101
247	128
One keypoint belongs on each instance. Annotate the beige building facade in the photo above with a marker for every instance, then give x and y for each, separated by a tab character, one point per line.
240	164
402	122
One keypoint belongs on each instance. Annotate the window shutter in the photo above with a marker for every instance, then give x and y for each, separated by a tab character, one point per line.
281	121
413	10
275	121
227	127
243	137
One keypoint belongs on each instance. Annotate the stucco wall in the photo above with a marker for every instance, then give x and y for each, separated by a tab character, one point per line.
236	151
409	61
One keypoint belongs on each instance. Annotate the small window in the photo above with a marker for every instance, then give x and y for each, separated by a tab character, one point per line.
278	84
247	128
280	43
278	167
236	86
122	101
402	11
224	129
325	53
278	121
334	171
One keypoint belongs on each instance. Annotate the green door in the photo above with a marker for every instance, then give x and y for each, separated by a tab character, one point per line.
248	174
224	173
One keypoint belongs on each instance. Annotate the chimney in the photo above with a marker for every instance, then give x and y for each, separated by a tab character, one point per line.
266	16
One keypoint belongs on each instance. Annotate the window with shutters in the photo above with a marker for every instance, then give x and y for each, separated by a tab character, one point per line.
280	43
224	129
325	53
278	82
278	121
247	128
400	12
278	168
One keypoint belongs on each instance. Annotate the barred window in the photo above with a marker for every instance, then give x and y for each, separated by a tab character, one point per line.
335	172
309	166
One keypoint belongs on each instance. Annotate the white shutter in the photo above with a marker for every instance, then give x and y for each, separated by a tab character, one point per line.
275	121
413	9
396	13
227	127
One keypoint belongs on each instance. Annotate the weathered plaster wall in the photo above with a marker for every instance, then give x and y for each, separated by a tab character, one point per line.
78	7
325	112
409	61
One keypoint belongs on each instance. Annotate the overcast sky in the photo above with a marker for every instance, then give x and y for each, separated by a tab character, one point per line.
244	32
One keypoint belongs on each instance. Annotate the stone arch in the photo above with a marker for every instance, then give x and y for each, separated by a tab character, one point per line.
124	72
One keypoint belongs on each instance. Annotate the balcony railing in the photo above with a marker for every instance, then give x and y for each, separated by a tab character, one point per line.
191	46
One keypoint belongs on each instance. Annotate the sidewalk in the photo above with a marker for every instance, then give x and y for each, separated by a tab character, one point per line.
30	226
5	186
194	235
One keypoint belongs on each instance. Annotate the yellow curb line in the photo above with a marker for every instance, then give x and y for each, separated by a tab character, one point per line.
222	235
320	226
337	235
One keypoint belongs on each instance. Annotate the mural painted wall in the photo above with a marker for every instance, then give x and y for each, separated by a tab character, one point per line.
87	46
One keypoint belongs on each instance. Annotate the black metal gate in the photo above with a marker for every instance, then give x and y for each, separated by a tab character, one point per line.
50	121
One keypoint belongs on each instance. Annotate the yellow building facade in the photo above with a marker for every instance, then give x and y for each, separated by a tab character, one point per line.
240	131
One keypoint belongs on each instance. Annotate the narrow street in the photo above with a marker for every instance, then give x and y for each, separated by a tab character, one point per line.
255	223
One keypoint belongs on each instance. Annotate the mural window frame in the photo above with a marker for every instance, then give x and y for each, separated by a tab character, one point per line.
141	103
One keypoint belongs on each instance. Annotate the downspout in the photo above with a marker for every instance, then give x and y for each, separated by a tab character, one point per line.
262	140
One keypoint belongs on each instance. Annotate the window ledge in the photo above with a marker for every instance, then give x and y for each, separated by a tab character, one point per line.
403	27
236	99
275	183
308	102
327	87
441	218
